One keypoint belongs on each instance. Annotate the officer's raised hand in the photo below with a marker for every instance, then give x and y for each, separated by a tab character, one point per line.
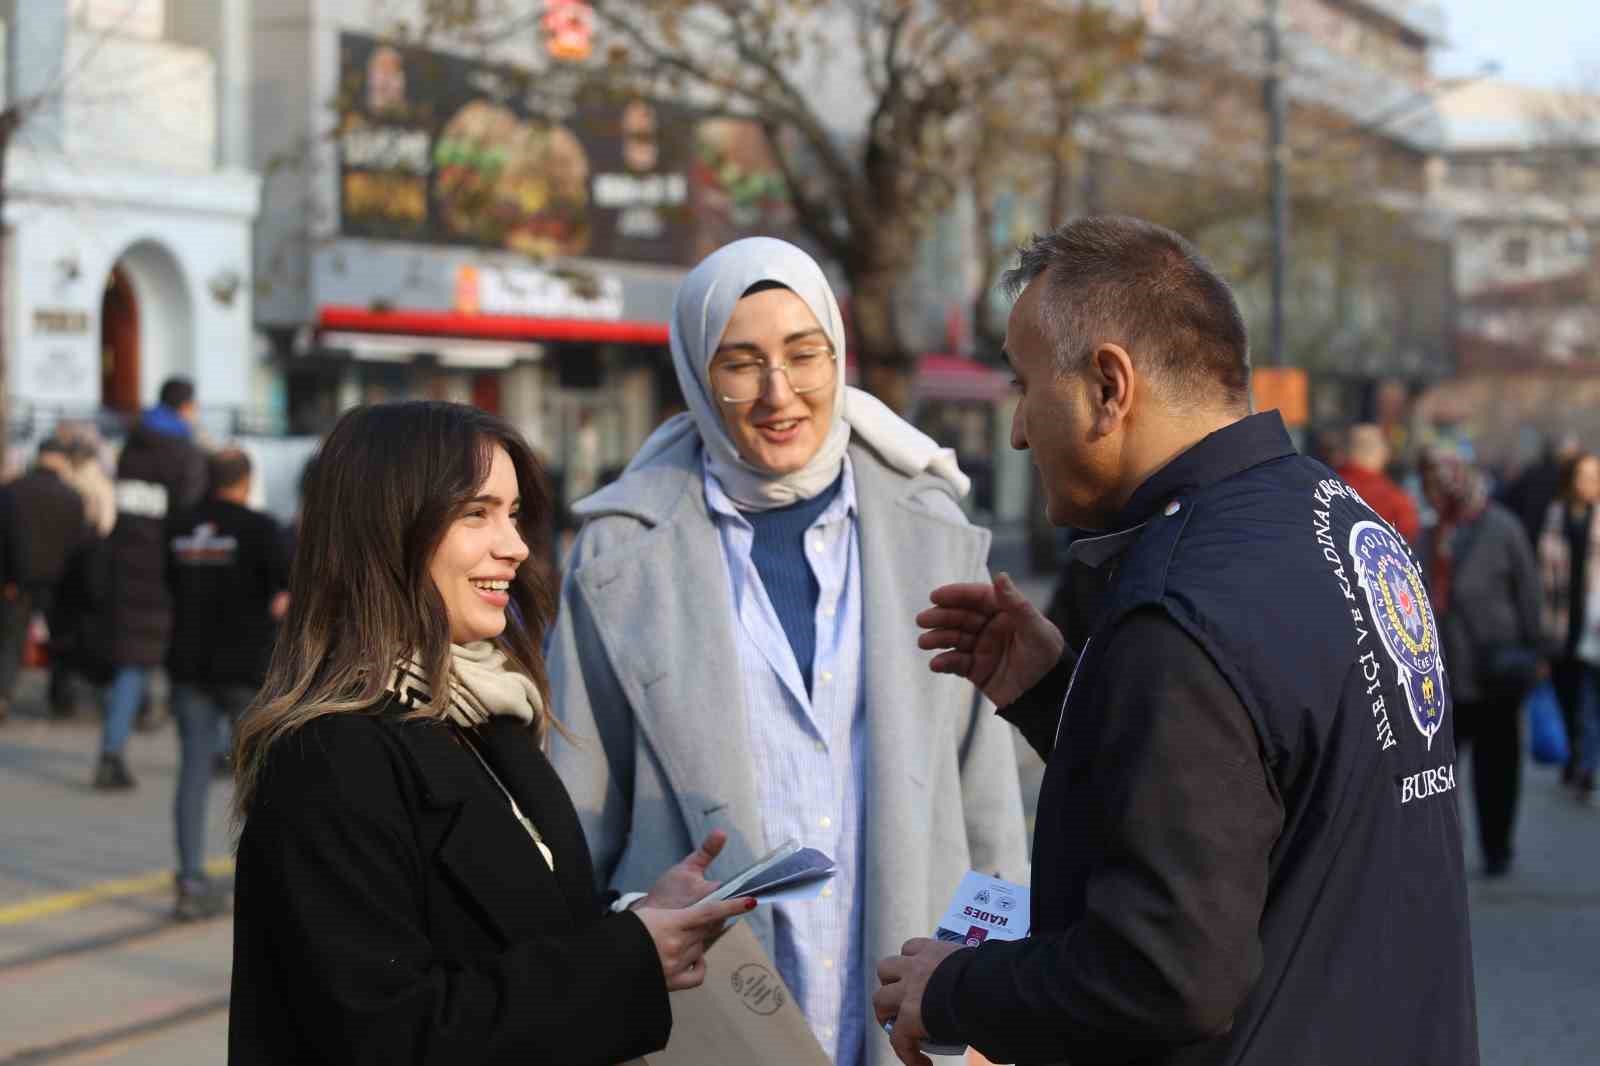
993	637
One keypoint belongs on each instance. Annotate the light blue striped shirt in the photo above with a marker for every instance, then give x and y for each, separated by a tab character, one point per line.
810	758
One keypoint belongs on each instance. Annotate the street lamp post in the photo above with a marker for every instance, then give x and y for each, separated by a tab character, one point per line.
1277	159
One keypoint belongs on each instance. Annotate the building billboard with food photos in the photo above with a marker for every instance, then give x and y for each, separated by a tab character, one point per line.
440	149
486	232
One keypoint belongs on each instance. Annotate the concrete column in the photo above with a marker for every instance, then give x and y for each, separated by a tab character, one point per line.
349	388
637	392
522	402
36	47
221	28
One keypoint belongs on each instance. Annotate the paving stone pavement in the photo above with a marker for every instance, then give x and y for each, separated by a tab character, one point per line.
160	989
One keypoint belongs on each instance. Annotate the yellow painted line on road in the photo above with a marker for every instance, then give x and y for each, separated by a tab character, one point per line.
31	910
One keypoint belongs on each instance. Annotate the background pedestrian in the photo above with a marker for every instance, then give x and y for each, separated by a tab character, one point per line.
229	580
1485	587
1366	471
160	471
1569	565
47	531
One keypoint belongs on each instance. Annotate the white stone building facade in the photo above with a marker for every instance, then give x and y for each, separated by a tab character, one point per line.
130	207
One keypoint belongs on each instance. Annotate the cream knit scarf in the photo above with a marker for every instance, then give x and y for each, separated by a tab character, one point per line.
482	685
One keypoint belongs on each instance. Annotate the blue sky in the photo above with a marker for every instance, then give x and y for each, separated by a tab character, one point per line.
1539	42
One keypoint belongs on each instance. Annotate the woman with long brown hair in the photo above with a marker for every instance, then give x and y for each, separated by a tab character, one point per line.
1569	563
413	884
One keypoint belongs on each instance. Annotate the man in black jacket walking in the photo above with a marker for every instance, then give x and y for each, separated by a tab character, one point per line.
46	531
160	472
229	579
1248	847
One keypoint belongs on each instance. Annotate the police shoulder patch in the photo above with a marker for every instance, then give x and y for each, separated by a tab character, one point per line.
1404	620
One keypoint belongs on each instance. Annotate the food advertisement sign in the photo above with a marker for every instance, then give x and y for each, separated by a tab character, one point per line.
736	187
639	190
441	149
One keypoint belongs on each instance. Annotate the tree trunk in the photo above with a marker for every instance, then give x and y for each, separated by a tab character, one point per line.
886	361
987	333
1042	536
1061	192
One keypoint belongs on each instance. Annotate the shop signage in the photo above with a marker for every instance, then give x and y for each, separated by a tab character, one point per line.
440	149
64	372
537	293
1285	389
60	321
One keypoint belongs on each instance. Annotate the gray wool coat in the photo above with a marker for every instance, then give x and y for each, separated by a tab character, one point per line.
1494	599
643	673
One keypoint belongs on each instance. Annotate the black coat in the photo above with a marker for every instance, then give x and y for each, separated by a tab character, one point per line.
390	909
157	476
1529	497
10	541
49	527
1495	591
225	564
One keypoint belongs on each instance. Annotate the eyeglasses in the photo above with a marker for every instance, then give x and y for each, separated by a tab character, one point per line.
742	380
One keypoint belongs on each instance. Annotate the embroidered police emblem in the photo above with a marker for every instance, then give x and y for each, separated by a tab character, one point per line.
1403	619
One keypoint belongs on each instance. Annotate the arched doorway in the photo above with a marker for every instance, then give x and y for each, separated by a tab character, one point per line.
146	327
119	344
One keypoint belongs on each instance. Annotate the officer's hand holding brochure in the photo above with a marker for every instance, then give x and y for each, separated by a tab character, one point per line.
983	908
787	873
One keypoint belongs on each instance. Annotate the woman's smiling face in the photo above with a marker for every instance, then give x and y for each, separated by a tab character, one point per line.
475	563
780	430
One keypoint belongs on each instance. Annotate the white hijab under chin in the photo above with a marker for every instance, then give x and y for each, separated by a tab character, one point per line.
700	314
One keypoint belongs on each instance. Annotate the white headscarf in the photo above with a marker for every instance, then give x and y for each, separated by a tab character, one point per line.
700	314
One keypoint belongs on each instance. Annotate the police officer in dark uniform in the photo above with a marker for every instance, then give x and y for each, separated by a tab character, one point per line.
1248	847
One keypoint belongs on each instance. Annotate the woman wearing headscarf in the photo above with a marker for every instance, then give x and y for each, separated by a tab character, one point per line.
1485	590
735	648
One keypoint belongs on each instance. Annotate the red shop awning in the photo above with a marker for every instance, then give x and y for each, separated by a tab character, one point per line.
492	327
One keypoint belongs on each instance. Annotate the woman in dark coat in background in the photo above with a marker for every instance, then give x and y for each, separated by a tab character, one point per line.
161	472
1569	564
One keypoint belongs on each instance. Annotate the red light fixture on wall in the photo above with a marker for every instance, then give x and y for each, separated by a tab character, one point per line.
568	29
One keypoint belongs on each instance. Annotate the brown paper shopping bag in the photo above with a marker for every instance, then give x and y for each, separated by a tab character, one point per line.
742	1015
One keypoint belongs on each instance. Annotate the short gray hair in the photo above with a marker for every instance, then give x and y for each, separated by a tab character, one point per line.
1121	280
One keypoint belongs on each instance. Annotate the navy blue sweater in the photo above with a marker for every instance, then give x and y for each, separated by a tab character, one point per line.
779	553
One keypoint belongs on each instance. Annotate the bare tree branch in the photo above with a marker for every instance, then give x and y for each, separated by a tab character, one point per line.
811	209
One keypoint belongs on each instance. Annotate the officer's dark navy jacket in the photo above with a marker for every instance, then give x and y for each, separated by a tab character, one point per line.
1310	906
